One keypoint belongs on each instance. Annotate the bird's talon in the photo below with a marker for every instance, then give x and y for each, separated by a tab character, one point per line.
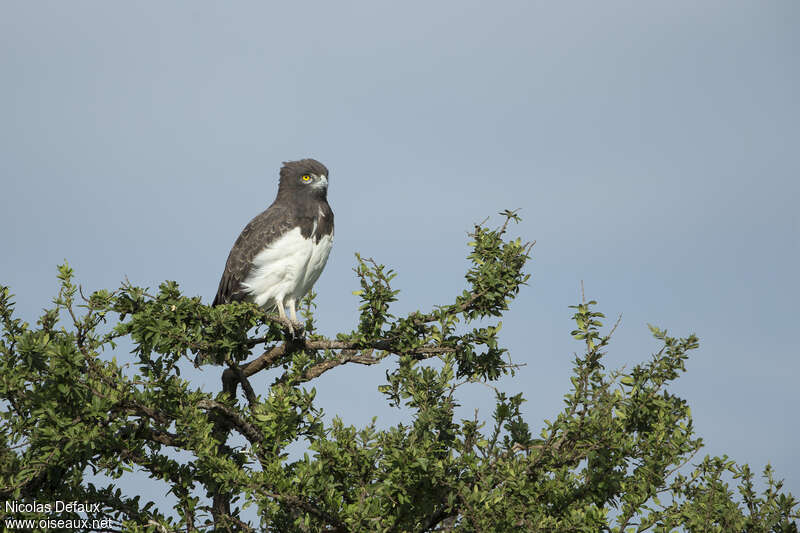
297	329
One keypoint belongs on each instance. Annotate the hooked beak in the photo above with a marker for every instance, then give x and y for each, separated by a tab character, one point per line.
321	182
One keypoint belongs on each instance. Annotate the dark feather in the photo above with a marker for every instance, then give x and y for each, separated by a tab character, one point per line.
260	232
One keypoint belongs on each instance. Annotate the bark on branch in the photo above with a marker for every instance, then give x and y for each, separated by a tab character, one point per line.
278	351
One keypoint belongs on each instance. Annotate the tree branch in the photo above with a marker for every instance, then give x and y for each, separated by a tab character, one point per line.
248	430
276	352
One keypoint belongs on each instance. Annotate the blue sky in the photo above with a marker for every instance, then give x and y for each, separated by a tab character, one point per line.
651	148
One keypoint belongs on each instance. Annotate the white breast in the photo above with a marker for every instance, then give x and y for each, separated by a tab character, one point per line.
287	269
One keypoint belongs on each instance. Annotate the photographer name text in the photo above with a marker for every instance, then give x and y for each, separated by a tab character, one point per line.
51	507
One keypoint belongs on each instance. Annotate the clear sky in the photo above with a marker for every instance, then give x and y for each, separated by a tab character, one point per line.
651	147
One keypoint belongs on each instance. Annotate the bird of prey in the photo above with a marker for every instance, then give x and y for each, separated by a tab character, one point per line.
282	251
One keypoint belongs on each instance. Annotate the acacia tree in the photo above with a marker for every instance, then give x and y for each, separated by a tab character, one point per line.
622	455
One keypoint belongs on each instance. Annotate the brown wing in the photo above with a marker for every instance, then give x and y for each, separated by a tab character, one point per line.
259	233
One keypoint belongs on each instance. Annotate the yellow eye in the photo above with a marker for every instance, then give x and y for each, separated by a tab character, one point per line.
306	177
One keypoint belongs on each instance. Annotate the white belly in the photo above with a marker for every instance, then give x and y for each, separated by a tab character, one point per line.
286	270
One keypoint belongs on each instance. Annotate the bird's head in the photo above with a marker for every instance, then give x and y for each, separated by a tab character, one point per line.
306	176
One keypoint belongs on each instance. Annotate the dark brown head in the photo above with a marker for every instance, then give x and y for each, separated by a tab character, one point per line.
304	177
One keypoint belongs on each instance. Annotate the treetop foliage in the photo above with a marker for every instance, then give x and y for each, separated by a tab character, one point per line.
622	455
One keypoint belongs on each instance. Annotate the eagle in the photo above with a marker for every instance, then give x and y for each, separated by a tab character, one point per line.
281	253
